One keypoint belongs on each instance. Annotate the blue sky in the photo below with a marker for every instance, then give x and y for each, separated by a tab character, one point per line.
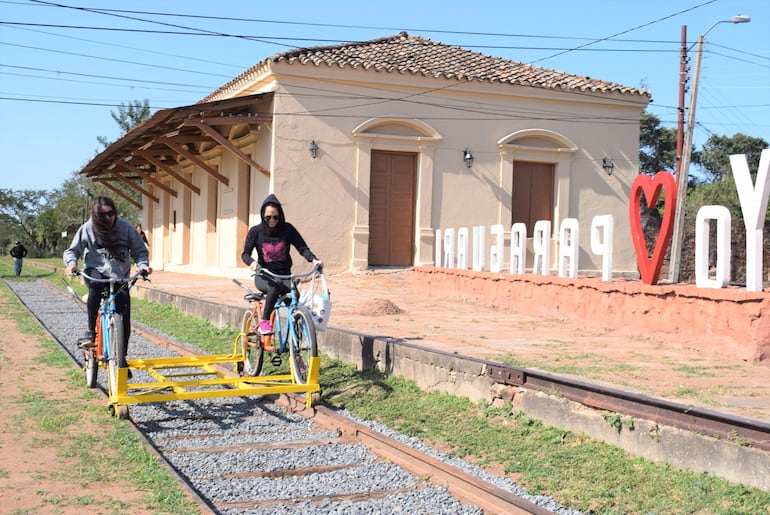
58	85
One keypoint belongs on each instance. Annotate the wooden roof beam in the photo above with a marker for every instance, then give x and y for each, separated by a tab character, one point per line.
160	165
210	131
132	184
239	119
198	161
146	176
116	190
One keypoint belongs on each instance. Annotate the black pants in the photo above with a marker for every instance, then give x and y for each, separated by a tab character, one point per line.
273	288
122	305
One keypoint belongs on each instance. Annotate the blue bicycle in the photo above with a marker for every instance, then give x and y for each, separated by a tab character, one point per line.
108	351
293	330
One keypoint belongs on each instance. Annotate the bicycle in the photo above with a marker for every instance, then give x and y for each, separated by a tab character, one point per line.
297	337
108	351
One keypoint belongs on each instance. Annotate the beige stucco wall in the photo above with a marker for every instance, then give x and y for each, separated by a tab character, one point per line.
327	198
457	196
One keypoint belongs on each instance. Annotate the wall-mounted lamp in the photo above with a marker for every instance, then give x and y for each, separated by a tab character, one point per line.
608	165
468	158
313	148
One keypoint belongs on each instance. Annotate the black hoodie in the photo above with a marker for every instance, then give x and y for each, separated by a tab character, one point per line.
273	245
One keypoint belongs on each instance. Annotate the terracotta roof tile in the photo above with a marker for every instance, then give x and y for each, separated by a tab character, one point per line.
402	53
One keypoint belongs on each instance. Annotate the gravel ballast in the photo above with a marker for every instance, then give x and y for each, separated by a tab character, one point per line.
239	452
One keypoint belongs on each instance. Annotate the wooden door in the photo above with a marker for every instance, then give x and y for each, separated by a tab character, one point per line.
532	198
392	196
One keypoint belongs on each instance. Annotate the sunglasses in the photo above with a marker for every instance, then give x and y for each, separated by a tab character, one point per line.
271	217
107	214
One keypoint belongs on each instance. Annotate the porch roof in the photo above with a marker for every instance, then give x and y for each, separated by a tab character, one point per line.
171	136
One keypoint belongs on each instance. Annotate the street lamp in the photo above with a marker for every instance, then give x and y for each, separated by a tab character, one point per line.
684	164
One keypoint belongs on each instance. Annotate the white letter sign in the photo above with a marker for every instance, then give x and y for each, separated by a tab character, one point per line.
462	248
753	205
602	228
569	247
541	246
518	248
449	248
722	216
479	233
497	251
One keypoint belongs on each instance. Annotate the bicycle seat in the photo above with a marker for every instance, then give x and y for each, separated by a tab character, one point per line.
254	297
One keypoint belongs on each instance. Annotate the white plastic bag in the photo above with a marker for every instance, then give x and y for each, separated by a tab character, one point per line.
317	299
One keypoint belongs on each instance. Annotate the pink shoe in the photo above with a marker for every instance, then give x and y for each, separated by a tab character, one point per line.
265	327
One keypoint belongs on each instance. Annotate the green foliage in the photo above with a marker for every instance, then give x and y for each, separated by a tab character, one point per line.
714	158
20	218
719	193
657	145
617	421
184	328
578	472
128	116
39	217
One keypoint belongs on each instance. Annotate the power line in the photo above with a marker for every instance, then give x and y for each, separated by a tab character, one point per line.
344	26
132	79
129	86
97	11
154	52
624	31
277	40
114	60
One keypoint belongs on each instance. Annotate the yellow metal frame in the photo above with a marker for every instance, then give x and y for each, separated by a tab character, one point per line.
174	385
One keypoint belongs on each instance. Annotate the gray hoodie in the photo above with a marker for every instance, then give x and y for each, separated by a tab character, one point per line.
85	245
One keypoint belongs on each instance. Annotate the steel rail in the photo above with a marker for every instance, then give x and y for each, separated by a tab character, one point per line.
742	430
464	486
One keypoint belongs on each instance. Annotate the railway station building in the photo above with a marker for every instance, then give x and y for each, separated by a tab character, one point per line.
371	147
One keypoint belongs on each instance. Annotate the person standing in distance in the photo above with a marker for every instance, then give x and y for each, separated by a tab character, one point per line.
272	239
140	231
107	244
18	253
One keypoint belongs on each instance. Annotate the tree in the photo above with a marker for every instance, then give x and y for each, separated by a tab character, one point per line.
714	161
714	158
128	116
20	216
657	145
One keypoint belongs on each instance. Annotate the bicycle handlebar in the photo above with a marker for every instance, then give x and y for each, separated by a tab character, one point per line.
265	271
141	273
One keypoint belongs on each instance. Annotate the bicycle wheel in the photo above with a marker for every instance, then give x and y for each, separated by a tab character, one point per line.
115	356
251	346
302	345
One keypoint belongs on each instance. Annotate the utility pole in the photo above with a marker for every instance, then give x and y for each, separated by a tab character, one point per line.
684	163
682	174
680	110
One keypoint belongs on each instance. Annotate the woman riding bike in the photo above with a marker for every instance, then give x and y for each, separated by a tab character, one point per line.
107	244
272	240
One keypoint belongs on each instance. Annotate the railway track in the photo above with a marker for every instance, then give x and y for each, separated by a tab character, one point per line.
697	420
262	455
269	455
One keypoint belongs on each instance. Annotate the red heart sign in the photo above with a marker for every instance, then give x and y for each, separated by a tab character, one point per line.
649	268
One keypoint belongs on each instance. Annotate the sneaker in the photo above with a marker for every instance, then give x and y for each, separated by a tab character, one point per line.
265	327
87	342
